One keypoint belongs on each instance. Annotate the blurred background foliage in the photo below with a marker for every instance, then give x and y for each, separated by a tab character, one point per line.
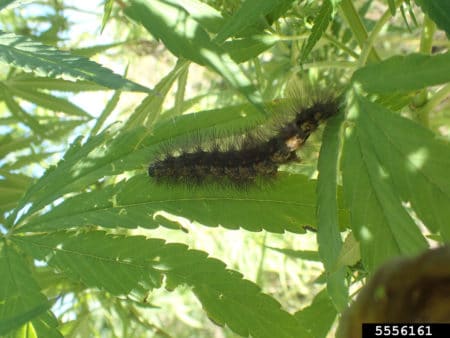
40	117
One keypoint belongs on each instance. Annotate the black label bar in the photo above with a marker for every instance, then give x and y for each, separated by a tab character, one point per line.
418	330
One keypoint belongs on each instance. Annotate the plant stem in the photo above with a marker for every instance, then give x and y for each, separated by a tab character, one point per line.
422	114
368	44
258	278
426	40
340	45
181	90
355	23
424	107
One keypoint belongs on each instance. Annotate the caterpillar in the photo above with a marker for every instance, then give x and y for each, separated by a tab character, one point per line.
251	155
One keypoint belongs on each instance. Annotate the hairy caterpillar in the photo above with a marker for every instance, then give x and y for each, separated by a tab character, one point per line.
251	155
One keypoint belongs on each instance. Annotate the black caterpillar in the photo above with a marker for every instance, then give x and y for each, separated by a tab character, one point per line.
253	156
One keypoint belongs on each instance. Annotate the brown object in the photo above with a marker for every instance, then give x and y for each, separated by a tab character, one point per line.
414	290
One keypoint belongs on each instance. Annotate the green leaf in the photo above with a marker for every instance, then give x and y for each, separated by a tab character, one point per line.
5	3
10	143
110	153
45	325
354	20
247	48
185	38
15	179
107	8
328	229
438	11
319	316
102	155
193	101
404	73
25	81
119	263
99	260
350	252
249	15
290	199
180	94
395	101
32	56
321	22
329	237
208	17
181	34
392	7
19	113
380	221
96	49
12	187
150	108
50	102
62	128
226	121
20	297
106	112
416	161
308	255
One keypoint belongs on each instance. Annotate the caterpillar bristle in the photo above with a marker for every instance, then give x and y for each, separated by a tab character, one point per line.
241	158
